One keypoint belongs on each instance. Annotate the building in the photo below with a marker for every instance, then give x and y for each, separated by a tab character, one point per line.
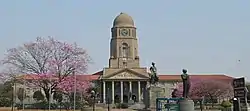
124	78
124	75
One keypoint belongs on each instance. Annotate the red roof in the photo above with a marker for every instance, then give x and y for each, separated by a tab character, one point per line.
211	76
166	77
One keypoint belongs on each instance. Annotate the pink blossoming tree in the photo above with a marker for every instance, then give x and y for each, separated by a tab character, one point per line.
69	84
208	88
51	62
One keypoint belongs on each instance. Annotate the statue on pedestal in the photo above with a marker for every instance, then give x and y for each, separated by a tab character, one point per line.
186	104
186	83
153	74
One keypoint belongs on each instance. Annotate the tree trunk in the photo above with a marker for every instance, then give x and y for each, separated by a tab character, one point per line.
47	93
211	98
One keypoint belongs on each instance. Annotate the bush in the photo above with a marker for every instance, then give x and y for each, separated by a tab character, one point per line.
38	96
5	102
45	105
39	105
226	104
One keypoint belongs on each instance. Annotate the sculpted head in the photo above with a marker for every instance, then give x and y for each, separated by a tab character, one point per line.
184	71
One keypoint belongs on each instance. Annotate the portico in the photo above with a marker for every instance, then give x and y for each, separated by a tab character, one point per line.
123	85
120	90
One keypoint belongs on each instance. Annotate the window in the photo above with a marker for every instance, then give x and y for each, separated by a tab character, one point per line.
125	50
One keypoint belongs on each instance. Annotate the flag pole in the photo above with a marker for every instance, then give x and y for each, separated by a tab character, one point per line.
74	90
24	88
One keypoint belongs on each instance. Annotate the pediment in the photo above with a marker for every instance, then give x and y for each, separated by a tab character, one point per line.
126	74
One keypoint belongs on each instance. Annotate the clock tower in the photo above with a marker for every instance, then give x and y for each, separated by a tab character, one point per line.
123	44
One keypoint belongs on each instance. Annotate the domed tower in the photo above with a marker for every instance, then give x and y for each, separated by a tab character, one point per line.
123	44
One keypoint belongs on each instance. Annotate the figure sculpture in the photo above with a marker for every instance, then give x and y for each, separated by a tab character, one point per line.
186	83
153	74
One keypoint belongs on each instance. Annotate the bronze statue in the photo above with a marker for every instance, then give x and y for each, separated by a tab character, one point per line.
153	74
186	83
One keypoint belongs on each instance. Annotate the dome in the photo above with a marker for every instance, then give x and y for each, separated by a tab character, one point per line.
123	20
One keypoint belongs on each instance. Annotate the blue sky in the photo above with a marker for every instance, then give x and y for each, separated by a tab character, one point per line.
204	36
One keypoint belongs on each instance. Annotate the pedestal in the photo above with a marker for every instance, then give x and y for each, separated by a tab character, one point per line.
156	91
244	107
186	105
130	102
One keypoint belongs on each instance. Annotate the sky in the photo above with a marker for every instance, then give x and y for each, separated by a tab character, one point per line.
203	36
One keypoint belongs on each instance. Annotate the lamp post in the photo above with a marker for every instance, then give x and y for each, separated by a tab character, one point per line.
93	95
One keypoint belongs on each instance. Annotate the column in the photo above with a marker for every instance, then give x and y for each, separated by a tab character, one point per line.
103	93
139	91
121	91
130	89
113	92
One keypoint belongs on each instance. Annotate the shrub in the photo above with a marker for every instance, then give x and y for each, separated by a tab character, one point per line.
38	96
53	106
226	104
5	102
44	105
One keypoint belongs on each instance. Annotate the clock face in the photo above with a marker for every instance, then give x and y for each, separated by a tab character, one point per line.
124	32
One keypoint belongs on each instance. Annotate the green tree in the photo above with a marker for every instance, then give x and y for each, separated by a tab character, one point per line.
38	96
58	96
5	102
7	89
78	97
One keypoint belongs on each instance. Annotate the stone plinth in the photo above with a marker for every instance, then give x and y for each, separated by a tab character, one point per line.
186	105
156	91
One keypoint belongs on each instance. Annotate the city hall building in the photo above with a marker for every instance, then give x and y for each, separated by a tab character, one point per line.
124	78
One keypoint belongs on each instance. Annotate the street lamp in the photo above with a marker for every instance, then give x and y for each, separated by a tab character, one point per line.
93	95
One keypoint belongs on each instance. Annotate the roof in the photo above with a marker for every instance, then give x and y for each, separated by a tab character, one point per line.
123	20
176	77
165	77
207	76
32	76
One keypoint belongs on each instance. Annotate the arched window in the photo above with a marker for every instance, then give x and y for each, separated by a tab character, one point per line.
125	50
